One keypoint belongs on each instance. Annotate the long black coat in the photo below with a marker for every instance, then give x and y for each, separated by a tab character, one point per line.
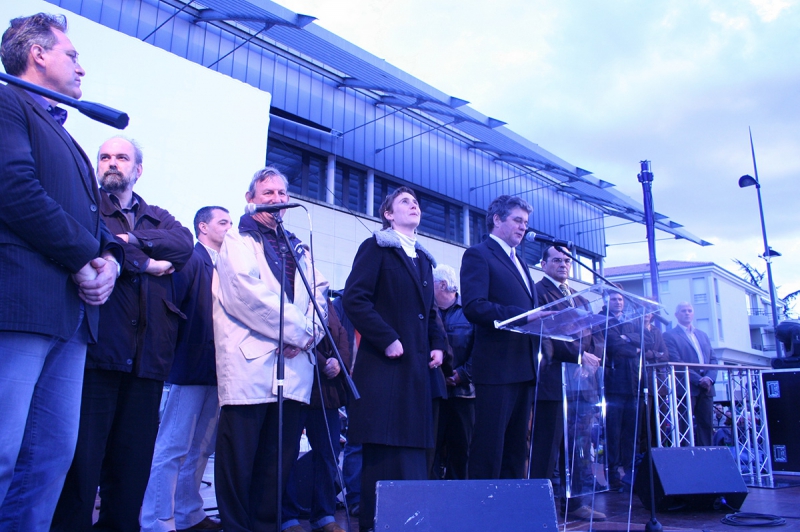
387	299
493	289
139	322
50	222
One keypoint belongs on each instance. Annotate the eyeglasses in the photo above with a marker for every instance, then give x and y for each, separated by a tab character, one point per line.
559	261
72	54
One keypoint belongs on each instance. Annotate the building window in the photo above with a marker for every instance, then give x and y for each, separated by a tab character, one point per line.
716	289
477	227
663	287
350	188
304	170
719	328
699	290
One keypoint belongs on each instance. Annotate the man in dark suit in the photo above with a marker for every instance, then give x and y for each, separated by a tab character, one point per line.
188	429
687	343
548	429
497	285
57	265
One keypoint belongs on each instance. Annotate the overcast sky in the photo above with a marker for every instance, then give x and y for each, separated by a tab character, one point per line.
604	85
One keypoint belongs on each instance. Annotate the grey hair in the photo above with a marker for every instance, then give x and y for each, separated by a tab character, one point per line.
138	156
446	273
268	172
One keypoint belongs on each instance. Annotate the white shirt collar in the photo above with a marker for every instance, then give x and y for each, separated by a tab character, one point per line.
213	253
503	245
556	282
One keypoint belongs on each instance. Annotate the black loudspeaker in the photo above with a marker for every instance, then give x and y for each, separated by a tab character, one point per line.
781	398
693	477
465	505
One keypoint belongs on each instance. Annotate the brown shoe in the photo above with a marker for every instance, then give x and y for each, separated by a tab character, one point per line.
585	513
208	523
330	527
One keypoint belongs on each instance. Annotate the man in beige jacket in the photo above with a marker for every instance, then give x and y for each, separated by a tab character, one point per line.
246	294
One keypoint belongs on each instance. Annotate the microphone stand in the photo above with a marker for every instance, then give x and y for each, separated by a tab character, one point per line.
285	248
95	111
653	525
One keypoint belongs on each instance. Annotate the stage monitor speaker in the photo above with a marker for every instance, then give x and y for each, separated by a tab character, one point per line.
694	477
465	505
782	396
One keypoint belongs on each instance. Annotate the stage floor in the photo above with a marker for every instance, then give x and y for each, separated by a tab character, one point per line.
619	506
625	513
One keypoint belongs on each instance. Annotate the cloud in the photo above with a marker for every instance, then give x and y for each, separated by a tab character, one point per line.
769	10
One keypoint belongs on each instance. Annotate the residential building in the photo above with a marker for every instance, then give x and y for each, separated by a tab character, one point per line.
734	313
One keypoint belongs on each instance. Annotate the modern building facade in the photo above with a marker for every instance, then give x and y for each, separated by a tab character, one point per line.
347	128
734	314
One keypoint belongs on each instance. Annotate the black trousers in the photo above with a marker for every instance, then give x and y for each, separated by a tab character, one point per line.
246	463
456	424
499	447
117	434
386	462
622	413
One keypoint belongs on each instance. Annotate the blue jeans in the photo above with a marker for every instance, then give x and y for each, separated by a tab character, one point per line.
325	453
351	470
185	440
40	393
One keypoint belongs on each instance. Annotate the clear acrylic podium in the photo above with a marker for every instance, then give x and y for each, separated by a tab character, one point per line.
576	318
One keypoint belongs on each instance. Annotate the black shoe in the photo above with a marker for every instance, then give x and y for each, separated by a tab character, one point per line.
354	508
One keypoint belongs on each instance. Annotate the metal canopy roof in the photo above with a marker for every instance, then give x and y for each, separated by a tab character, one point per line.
355	68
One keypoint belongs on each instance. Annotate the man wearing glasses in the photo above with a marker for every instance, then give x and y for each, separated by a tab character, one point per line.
548	430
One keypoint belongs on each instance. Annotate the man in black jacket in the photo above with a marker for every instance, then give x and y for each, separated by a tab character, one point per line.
623	348
125	371
548	429
57	265
188	429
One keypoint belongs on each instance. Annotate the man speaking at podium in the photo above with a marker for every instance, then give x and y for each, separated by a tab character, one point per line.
497	285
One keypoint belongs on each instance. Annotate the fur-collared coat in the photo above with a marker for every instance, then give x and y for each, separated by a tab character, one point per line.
388	298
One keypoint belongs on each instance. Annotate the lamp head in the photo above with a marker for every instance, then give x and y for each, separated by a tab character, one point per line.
747	181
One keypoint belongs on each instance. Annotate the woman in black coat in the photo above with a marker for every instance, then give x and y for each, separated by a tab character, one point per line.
389	298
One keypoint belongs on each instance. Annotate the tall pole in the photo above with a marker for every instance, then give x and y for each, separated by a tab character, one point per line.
767	253
646	179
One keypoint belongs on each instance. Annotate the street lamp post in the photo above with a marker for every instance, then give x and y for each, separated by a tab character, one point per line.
748	181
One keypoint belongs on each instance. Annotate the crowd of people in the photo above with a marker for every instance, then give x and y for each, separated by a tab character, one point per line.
104	298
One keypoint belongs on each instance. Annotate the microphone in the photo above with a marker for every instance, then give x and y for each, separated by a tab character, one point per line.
253	208
531	236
